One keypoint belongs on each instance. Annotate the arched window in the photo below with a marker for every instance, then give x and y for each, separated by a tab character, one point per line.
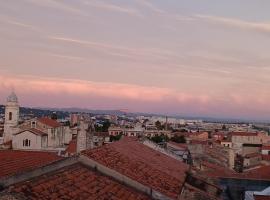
26	143
10	116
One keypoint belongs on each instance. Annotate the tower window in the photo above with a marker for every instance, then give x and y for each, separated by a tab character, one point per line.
10	116
33	124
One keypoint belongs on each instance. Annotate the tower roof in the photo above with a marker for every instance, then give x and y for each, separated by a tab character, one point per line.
12	97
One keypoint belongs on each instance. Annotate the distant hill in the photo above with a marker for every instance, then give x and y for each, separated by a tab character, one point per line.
64	112
37	112
81	110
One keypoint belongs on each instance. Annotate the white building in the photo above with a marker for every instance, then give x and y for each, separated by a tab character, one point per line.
41	134
34	134
11	117
31	139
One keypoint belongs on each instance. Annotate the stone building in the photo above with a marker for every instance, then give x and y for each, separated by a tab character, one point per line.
11	117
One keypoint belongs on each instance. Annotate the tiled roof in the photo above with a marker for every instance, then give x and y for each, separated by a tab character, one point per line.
198	142
75	182
266	147
261	197
143	164
12	162
266	157
243	134
34	131
216	171
261	173
49	122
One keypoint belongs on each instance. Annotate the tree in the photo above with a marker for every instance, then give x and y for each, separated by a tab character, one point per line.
54	116
115	138
160	138
158	125
106	126
178	139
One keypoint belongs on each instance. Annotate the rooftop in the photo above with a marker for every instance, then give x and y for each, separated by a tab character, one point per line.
143	164
14	162
34	131
258	173
243	134
75	182
49	122
266	147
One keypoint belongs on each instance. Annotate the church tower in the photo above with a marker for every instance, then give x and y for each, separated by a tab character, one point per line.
11	117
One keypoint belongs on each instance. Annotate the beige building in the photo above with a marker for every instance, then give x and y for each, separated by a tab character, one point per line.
11	117
41	134
31	139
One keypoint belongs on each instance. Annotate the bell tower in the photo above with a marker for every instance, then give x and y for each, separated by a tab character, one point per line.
11	117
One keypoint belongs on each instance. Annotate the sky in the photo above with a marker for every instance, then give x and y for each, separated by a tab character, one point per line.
177	57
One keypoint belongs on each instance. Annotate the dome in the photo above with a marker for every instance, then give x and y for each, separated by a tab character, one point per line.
12	97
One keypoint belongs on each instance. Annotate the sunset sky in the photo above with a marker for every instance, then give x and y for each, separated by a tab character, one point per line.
183	57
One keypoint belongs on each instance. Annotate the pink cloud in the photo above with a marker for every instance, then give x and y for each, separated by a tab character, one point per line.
52	92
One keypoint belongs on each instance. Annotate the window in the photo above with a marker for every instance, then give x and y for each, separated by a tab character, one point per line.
53	133
10	116
26	143
33	124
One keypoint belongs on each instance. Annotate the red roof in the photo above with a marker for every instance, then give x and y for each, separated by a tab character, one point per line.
216	171
143	164
266	147
34	131
266	157
198	142
49	122
261	197
261	173
243	134
12	162
75	182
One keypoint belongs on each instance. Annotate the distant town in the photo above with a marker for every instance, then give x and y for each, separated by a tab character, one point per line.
147	157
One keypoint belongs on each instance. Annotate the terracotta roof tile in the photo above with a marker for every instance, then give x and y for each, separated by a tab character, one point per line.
266	147
259	173
12	162
266	157
243	134
143	164
49	122
75	182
